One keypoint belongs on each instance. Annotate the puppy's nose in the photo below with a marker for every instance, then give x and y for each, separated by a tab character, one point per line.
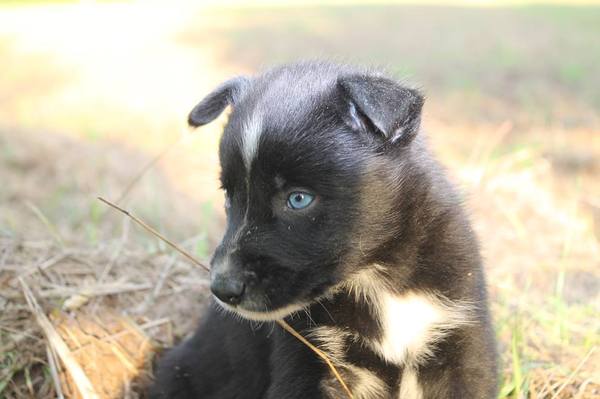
228	290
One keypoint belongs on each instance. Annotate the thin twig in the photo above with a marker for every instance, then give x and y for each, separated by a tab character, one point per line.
583	387
319	353
133	328
88	291
155	233
81	380
46	264
51	228
574	373
96	290
159	284
113	260
54	372
115	255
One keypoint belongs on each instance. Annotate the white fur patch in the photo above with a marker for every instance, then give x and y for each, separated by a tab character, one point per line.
252	130
409	387
412	322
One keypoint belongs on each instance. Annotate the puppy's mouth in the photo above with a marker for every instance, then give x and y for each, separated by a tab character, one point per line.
265	302
266	315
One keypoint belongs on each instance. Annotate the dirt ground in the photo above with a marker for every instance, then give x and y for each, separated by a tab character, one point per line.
94	94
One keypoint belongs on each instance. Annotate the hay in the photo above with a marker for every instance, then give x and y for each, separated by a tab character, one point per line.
110	350
84	387
90	336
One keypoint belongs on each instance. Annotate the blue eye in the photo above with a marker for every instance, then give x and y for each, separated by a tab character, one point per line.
300	200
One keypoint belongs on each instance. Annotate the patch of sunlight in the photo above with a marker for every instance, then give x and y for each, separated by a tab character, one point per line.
114	71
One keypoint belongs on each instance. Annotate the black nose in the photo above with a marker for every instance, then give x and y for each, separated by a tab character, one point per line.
228	290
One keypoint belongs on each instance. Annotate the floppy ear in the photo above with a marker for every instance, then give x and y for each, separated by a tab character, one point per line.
383	105
213	104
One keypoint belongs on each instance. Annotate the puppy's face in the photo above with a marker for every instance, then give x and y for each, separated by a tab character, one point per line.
295	159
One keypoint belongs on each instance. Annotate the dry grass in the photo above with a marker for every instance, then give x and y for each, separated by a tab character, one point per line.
520	137
112	349
107	289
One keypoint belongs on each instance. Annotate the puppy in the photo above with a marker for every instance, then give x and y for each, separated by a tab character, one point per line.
340	222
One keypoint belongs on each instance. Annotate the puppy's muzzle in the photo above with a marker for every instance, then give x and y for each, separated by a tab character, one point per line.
228	281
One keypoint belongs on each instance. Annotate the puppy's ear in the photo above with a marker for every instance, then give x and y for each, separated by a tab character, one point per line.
213	104
383	105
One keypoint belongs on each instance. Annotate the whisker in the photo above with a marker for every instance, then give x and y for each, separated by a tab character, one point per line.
310	319
325	309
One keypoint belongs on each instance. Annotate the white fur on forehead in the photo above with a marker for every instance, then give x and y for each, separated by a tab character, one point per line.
251	132
285	95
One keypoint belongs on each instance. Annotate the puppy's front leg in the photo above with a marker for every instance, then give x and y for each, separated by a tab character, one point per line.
296	371
225	359
466	371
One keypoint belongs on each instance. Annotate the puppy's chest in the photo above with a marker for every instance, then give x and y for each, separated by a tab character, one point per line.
378	358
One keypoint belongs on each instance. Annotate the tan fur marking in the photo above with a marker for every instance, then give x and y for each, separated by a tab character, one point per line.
330	340
363	383
409	387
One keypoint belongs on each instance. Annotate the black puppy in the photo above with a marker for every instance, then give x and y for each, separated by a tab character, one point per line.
339	221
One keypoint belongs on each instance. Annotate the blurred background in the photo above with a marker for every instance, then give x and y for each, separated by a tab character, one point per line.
93	102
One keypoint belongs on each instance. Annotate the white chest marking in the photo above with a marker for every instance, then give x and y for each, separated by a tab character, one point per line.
251	132
409	325
412	323
409	387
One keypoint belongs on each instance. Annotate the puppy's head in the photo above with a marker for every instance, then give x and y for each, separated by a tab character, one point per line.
306	202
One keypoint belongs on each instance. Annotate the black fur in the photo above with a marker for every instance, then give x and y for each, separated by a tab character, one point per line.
350	137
